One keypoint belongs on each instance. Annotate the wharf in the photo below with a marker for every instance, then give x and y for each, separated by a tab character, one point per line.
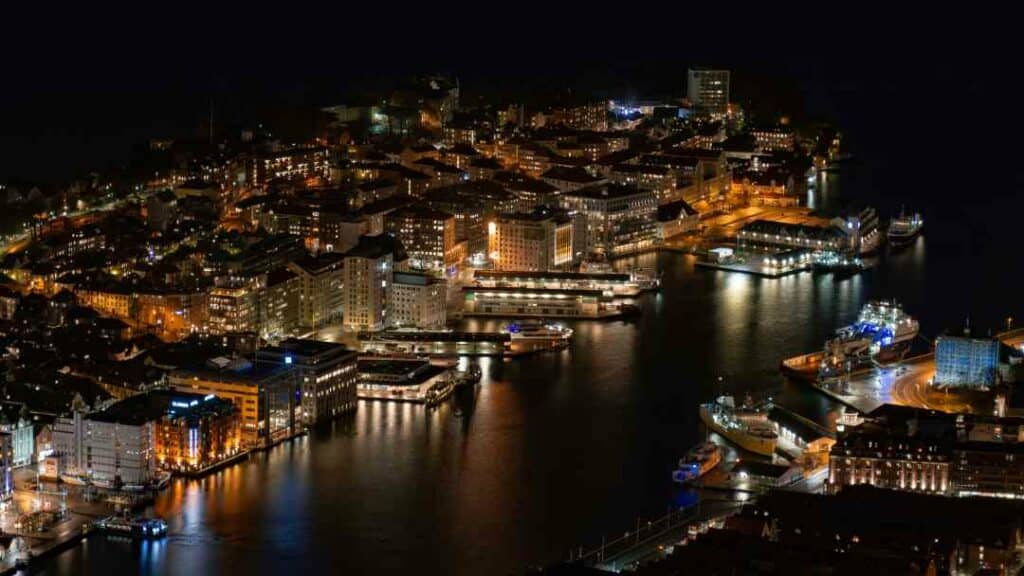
755	268
907	383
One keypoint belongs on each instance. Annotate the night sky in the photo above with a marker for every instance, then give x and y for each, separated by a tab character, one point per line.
85	87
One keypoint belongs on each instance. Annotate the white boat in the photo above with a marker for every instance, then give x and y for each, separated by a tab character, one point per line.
882	334
700	460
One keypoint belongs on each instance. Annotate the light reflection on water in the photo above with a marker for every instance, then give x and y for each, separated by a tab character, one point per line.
546	453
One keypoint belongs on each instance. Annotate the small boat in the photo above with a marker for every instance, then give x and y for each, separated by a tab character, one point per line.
700	460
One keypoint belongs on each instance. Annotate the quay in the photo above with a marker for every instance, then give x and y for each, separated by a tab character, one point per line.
447	344
755	267
907	383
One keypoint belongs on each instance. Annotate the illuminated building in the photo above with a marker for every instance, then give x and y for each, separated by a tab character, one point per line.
964	361
9	300
676	218
341	231
624	285
537	302
708	90
263	394
537	241
295	164
619	218
232	309
428	236
472	203
766	188
279	294
767	234
320	278
458	133
77	241
325	372
530	190
367	276
401	379
898	449
128	441
417	300
657	178
774	139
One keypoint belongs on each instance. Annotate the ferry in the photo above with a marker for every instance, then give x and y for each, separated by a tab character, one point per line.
904	229
534	330
750	431
700	460
141	528
882	334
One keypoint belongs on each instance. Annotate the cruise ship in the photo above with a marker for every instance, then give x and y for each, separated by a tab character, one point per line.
700	460
882	334
752	432
904	229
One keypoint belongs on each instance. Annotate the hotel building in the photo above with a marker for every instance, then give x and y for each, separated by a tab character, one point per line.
619	218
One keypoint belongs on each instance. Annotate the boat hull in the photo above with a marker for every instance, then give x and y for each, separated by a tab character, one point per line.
757	445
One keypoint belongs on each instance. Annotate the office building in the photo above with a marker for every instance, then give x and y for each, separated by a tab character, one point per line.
320	281
619	218
325	373
428	236
367	276
417	300
536	241
708	90
232	308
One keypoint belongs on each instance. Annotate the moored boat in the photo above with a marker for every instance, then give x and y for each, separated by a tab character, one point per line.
700	460
904	229
882	334
752	432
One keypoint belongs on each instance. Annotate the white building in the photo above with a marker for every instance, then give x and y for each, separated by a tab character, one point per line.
537	241
417	300
368	272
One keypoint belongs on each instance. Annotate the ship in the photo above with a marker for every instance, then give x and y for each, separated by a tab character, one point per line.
700	460
748	430
904	229
882	335
140	528
470	376
534	330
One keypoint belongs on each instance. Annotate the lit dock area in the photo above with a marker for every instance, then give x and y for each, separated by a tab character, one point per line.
764	265
403	380
617	285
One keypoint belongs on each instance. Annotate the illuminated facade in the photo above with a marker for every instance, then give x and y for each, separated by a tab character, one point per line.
325	374
896	462
232	309
427	234
708	91
367	275
320	278
418	300
290	165
536	302
773	139
619	219
969	362
536	241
